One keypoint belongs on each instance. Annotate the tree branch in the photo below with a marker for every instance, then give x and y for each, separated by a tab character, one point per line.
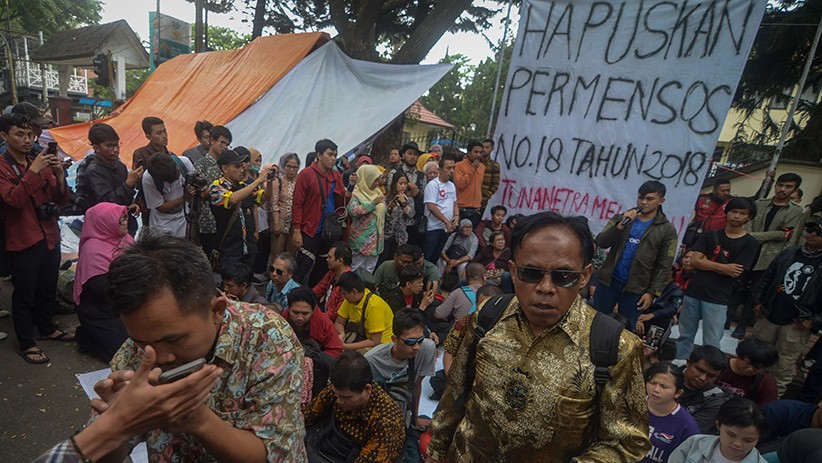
430	30
339	16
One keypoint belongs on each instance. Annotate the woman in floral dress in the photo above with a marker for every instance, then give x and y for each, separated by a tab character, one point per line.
367	213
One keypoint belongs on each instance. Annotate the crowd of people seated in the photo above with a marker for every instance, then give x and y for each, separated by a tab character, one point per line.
320	299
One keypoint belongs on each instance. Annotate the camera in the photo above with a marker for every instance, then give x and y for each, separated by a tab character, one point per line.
47	211
196	179
272	175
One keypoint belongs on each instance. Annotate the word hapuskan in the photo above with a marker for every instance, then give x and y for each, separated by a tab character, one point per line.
616	31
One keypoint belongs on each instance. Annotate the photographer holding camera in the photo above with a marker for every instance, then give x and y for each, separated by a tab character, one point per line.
29	189
164	185
232	202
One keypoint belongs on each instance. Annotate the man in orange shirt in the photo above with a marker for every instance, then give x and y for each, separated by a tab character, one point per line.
468	177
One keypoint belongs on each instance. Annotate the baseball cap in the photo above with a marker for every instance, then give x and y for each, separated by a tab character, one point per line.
29	110
233	156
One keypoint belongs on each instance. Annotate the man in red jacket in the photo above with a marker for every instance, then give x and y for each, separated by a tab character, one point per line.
318	188
327	290
30	189
308	322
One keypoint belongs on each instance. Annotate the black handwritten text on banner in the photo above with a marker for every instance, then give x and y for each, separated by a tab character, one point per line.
602	96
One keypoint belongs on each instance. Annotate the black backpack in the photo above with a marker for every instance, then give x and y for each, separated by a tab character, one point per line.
604	352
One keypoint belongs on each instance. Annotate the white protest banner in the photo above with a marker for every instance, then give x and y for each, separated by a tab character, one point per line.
604	95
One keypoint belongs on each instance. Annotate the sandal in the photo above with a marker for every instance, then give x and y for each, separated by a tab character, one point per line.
62	336
28	356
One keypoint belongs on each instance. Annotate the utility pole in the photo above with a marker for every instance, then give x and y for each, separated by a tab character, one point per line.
9	41
198	26
500	56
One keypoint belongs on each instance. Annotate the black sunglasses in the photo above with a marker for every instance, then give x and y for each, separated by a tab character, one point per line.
813	228
561	278
276	270
412	341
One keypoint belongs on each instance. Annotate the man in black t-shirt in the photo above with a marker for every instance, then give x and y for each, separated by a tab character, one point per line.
720	258
235	237
776	220
789	301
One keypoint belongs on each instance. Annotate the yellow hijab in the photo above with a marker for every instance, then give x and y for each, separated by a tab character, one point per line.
367	174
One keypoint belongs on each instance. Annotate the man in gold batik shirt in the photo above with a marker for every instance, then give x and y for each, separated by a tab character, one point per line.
533	393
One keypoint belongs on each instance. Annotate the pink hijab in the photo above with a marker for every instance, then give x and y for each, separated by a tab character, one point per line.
100	243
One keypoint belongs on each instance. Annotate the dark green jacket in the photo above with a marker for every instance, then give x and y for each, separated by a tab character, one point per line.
653	259
774	239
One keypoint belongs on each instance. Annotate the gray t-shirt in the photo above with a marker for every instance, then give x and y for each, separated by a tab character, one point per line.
386	369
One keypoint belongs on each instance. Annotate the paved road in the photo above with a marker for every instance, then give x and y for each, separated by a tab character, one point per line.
41	404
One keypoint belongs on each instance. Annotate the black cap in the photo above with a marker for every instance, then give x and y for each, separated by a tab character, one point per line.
231	157
29	110
244	152
411	145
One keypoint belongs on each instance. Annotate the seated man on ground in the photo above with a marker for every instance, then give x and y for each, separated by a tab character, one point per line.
401	366
410	292
328	289
702	398
364	319
746	375
308	322
282	282
387	274
463	300
237	283
788	416
370	424
163	289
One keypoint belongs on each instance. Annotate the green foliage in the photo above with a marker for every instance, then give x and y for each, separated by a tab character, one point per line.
31	16
445	98
464	96
224	38
775	66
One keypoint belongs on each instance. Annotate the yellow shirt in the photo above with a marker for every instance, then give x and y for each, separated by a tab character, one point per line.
378	316
532	397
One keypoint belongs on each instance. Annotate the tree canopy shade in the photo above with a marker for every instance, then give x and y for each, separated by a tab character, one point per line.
31	16
774	68
406	29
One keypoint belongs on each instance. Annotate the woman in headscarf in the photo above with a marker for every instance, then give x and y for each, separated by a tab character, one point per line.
367	212
105	234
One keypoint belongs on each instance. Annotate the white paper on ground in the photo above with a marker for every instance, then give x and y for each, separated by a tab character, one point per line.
87	381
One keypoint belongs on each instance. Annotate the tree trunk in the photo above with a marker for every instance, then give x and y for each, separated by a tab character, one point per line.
390	139
259	19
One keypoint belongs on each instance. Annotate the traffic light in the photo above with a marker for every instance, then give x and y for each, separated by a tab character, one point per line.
101	68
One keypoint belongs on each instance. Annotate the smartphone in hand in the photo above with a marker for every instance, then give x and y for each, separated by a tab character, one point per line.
176	374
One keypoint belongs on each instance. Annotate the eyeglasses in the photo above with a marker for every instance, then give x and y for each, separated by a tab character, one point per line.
813	228
276	270
561	278
412	341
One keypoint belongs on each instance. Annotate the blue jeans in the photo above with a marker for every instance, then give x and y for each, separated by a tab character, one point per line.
606	297
713	322
434	242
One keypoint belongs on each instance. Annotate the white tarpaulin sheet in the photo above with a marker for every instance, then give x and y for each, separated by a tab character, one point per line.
604	95
329	95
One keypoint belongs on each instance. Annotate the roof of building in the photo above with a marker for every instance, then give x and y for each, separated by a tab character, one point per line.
83	43
426	116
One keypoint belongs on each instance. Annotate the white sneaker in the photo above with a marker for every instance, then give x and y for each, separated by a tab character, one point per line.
3	335
4	313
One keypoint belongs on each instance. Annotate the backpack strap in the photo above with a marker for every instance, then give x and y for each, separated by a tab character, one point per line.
472	297
604	352
490	314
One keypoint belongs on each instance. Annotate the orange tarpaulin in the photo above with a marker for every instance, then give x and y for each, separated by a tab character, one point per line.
214	86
